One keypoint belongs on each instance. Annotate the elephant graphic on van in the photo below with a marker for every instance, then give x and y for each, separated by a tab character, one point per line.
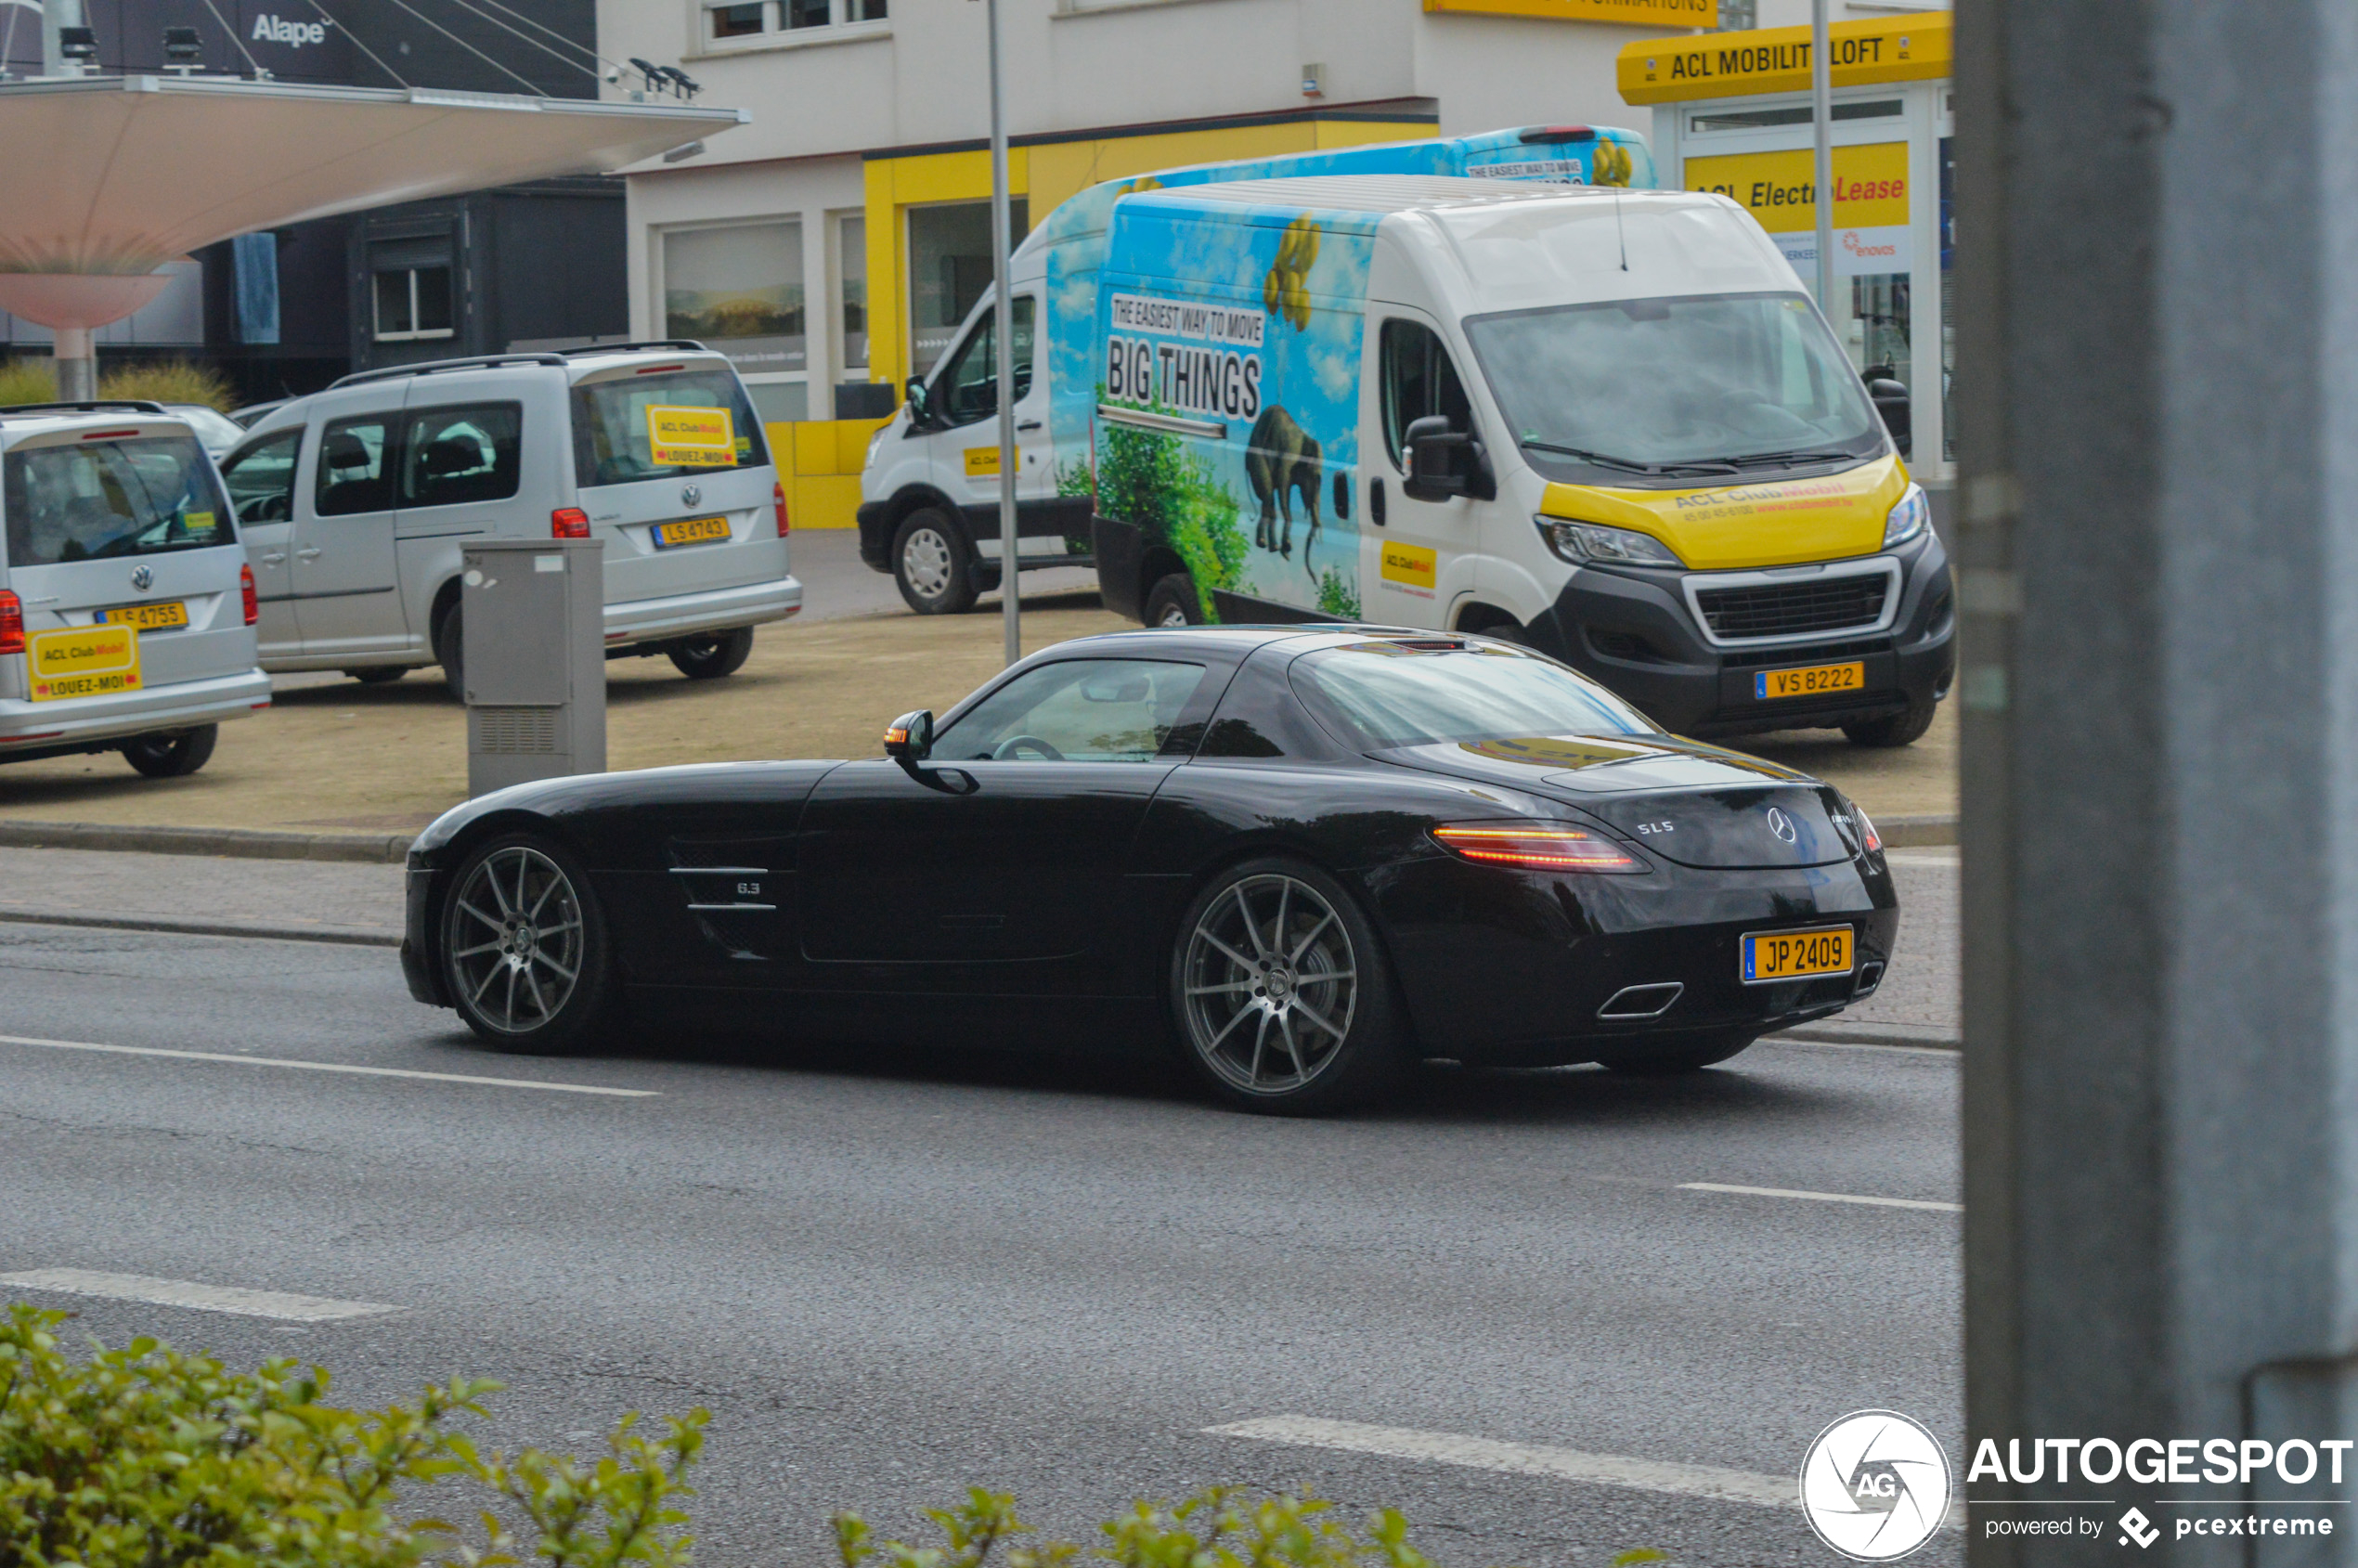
1282	463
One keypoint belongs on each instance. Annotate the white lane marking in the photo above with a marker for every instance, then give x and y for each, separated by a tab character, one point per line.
1523	1458
332	1067
1823	1197
1533	1458
187	1293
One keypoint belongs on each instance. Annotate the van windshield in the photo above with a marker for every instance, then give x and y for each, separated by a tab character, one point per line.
136	495
658	426
1674	389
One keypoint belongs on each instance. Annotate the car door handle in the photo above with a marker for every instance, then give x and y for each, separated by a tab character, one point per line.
1375	502
276	558
1029	425
307	554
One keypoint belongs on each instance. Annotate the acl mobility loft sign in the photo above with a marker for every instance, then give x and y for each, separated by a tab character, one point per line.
1776	60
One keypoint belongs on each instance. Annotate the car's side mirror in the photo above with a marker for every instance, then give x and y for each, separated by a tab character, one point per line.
1890	395
1440	460
920	401
910	737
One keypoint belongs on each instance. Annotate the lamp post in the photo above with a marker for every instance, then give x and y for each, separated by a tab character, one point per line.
1003	338
1821	89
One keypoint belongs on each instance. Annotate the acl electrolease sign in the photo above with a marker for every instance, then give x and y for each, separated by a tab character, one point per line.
1188	358
1779	189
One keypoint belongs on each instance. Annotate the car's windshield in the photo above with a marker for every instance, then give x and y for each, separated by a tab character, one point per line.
1378	695
1622	389
658	426
1075	711
136	496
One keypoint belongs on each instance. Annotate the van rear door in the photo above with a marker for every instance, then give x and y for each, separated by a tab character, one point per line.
126	526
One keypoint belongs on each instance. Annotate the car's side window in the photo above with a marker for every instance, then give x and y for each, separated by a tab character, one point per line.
1419	381
969	389
353	474
262	479
1075	711
451	456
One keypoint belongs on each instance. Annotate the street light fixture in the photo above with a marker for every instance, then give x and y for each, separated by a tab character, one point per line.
183	50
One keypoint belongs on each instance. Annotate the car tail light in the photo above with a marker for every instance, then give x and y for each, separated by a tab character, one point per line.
245	587
568	523
11	622
1536	848
1867	833
778	500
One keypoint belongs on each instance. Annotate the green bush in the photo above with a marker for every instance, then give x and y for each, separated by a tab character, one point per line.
26	380
163	381
148	1458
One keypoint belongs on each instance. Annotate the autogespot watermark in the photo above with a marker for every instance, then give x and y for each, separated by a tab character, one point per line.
1876	1486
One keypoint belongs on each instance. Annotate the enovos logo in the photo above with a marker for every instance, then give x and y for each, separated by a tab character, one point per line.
268	28
1875	1485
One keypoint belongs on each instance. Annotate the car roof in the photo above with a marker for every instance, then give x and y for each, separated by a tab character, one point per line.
1235	642
44	419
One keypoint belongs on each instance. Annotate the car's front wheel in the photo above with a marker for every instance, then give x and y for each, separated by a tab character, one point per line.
930	564
524	946
712	655
1896	729
172	754
1280	992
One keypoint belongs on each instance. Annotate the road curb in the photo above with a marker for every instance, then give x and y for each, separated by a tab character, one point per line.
173	926
381	849
1916	833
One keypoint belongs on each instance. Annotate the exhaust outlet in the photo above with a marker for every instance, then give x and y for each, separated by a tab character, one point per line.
1639	1002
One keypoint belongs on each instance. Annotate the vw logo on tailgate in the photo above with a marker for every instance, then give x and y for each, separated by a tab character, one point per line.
1781	825
142	579
690	494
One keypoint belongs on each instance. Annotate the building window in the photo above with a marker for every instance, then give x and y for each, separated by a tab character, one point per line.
738	286
411	302
1737	15
851	284
753	21
949	270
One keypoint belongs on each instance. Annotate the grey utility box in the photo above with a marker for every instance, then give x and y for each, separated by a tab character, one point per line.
533	635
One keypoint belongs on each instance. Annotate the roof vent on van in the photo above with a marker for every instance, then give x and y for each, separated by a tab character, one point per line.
1537	134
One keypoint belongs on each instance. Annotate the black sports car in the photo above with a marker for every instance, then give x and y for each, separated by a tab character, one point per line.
1305	854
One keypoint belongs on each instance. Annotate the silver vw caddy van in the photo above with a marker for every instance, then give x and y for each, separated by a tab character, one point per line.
355	502
127	611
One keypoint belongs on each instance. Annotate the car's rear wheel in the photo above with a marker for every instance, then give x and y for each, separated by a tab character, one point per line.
172	754
524	946
1692	1056
930	564
1280	992
1173	602
450	652
713	654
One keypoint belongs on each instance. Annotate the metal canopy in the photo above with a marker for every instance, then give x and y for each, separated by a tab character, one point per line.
119	174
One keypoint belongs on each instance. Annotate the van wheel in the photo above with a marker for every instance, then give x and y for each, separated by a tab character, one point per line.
712	655
1173	602
931	565
450	652
1897	729
172	754
379	674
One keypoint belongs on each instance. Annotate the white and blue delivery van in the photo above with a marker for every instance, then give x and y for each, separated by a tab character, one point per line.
1603	421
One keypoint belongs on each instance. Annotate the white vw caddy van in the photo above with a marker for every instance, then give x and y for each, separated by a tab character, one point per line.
126	612
356	503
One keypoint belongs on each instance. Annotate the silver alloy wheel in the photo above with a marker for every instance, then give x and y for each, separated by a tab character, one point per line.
924	561
1269	984
516	939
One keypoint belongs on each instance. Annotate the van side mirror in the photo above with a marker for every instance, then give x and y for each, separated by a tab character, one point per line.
1438	460
1890	397
920	401
910	737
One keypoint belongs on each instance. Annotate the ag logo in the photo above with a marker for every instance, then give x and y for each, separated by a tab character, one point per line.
1875	1485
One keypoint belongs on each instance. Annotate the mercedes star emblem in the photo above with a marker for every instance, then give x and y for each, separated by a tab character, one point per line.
1781	825
690	494
142	579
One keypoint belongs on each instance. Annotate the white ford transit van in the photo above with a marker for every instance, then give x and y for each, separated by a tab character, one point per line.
126	612
355	502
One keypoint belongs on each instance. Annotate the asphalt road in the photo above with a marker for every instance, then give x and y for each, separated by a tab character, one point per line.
891	1274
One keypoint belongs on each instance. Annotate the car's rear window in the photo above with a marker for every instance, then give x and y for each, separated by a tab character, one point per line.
1386	694
131	496
662	425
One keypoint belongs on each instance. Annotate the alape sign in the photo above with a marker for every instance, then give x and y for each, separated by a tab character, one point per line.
293	42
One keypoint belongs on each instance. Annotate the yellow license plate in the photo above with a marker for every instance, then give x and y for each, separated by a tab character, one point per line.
166	616
695	530
83	661
1786	956
1768	685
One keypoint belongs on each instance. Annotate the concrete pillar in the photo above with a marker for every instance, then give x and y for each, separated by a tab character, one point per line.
77	360
2158	396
